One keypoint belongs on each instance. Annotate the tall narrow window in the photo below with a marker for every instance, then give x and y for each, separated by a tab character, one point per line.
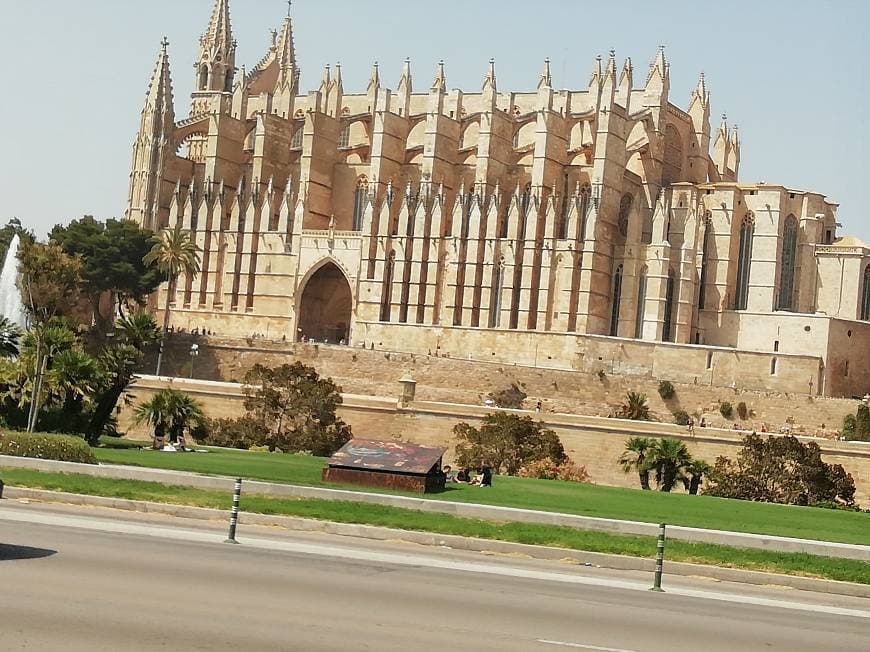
641	304
705	254
203	78
516	296
359	205
344	137
624	212
668	326
387	293
495	299
585	191
744	263
865	299
296	143
566	209
788	264
617	299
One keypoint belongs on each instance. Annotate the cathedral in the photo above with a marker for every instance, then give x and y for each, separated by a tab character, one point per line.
603	229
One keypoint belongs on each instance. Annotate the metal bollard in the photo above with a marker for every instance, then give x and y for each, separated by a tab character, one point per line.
234	514
660	560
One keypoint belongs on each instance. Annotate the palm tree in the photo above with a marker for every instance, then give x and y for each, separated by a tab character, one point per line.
172	413
635	408
174	253
73	377
118	364
9	338
694	475
634	458
669	458
138	330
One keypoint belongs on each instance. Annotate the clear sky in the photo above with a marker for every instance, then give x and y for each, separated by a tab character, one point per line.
791	73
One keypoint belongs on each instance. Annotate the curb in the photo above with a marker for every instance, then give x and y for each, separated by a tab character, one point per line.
614	562
771	543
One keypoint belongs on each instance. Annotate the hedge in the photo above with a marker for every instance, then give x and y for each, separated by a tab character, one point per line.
46	447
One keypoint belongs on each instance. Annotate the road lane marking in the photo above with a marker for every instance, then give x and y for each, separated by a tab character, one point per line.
580	646
403	559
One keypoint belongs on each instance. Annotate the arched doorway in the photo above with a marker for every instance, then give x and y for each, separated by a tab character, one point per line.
327	304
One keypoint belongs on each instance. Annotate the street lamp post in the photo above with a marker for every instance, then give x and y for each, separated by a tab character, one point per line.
194	354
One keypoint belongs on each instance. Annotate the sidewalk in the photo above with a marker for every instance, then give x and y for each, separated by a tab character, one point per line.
465	510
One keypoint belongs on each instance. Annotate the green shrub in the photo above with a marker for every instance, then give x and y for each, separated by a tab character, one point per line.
849	426
46	447
726	409
742	411
510	398
547	469
119	443
666	390
681	417
245	433
862	423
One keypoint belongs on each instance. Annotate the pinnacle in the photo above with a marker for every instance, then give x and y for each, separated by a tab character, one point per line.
546	80
160	89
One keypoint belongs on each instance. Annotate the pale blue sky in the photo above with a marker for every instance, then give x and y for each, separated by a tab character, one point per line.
789	72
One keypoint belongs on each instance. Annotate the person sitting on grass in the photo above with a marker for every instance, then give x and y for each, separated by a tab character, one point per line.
464	476
483	477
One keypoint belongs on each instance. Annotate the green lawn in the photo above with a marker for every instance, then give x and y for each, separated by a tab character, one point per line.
348	512
548	495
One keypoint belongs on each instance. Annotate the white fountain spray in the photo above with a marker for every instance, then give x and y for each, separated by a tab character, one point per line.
11	306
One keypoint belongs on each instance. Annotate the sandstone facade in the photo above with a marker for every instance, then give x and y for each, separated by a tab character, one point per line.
598	226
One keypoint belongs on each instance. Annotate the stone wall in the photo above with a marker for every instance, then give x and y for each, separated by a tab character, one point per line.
591	441
598	391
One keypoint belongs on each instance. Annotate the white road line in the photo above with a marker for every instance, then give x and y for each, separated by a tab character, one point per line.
402	559
580	646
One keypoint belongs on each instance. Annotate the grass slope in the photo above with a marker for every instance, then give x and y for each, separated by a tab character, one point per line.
346	512
546	495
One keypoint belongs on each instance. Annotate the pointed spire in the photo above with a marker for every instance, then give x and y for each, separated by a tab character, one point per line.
220	32
595	78
374	78
405	80
216	64
440	83
326	80
735	138
338	81
701	91
627	71
285	48
546	80
159	97
489	81
659	66
610	73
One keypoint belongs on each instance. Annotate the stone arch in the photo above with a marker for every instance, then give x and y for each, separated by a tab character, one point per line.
203	77
325	308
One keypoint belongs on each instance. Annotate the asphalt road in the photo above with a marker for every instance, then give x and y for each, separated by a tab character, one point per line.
84	579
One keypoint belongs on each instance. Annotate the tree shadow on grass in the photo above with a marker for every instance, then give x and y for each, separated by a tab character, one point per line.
9	552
